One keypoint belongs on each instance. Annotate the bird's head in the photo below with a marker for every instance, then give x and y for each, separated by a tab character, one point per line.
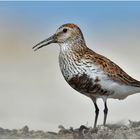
66	33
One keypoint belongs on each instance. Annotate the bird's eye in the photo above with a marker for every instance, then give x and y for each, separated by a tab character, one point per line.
65	30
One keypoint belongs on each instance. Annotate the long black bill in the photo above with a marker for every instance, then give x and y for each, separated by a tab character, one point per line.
45	42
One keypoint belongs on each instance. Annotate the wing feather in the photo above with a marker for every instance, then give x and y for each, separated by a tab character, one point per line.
110	68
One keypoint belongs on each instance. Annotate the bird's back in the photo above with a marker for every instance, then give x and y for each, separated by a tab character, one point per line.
111	69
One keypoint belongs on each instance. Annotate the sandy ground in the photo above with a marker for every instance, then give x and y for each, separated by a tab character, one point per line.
111	131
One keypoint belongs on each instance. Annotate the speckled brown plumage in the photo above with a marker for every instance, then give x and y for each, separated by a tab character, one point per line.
110	68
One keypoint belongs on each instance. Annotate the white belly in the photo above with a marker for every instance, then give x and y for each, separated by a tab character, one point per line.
120	91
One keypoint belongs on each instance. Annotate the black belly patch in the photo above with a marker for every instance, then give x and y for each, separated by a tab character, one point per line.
86	85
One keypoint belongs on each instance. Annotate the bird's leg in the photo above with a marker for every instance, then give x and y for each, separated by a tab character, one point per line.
105	112
96	113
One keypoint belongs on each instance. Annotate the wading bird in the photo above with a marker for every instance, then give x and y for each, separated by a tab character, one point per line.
87	71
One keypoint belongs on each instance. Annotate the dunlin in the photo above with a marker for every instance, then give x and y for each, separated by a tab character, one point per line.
88	72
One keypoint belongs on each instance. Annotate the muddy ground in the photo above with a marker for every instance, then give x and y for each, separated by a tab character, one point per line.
111	131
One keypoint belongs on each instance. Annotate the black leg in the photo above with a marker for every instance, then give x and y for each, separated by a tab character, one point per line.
105	113
96	113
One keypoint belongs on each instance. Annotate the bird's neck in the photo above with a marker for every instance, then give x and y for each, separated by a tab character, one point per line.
72	45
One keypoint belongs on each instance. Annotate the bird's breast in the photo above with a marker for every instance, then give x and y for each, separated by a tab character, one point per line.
72	66
81	76
69	67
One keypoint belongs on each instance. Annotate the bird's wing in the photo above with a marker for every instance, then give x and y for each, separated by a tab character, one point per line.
111	69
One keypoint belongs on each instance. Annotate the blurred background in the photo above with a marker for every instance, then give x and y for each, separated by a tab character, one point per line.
33	91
